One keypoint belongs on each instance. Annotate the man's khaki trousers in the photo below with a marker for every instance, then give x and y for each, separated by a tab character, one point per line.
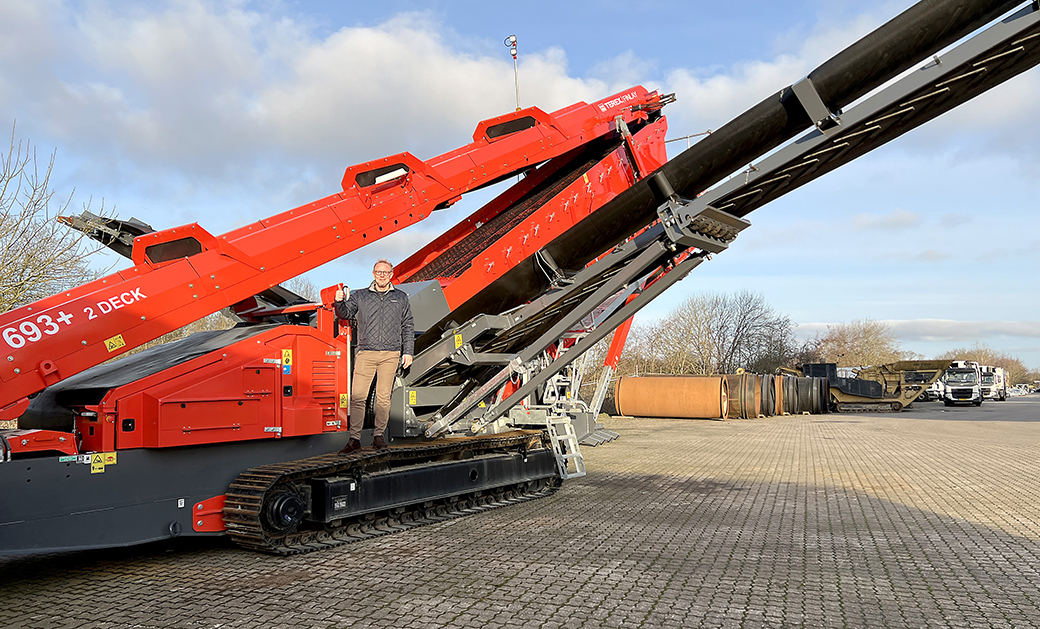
382	366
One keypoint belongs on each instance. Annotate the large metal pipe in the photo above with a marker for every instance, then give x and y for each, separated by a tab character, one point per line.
918	32
686	397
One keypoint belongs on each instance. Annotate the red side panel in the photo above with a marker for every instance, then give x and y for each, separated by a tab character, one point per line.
22	441
287	381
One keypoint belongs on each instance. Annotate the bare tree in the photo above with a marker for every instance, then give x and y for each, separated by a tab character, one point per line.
776	344
810	351
706	334
38	256
719	333
303	287
712	333
860	343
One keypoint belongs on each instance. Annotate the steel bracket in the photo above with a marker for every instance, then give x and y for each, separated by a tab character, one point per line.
706	228
827	121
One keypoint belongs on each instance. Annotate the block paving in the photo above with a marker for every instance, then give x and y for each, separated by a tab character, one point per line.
927	518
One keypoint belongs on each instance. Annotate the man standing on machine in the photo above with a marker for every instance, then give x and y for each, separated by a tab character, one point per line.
386	338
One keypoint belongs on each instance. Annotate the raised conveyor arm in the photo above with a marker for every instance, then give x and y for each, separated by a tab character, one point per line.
183	274
908	39
985	60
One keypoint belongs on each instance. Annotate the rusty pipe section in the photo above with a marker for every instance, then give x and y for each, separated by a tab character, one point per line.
685	397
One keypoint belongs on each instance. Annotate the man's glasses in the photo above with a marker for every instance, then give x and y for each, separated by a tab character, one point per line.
382	272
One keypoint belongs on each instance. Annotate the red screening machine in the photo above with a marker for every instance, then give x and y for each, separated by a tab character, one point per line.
235	432
275	388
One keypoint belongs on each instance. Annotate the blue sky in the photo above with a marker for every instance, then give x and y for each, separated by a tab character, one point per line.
224	113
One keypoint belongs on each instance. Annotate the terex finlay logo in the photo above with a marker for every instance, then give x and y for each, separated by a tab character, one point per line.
614	102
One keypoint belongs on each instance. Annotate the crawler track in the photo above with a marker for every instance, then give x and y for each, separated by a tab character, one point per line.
243	509
869	407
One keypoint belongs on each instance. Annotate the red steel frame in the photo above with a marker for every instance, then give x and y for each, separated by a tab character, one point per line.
199	273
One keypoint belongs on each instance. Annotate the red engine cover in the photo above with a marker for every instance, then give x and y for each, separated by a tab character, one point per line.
286	381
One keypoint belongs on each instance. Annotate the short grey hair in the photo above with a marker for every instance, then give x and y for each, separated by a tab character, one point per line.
382	261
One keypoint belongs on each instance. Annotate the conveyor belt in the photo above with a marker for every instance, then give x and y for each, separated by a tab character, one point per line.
454	262
906	40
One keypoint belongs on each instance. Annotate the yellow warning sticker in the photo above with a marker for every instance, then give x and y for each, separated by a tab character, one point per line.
286	356
97	463
482	405
115	343
110	458
458	341
344	400
411	398
586	176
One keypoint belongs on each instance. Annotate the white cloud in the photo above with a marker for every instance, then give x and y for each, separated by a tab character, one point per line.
945	330
930	255
202	91
891	221
962	331
954	219
400	84
710	97
625	70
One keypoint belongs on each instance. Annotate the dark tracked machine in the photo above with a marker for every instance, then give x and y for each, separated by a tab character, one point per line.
877	388
235	432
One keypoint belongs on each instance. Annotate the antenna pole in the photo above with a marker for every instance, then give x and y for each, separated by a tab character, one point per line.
510	43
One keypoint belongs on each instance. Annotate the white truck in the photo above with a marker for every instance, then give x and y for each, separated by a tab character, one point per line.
934	392
962	382
994	383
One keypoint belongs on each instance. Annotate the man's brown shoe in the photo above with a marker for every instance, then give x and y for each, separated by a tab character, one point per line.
352	446
379	443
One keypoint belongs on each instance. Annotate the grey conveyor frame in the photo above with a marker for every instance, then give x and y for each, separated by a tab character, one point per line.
662	248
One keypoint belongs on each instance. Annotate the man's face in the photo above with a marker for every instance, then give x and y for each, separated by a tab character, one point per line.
382	273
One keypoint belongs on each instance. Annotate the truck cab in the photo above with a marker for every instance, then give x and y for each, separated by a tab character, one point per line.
963	384
994	383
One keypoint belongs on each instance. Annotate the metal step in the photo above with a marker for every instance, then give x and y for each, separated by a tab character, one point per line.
598	437
565	445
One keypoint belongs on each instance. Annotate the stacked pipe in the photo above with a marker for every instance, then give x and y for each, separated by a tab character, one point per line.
768	406
778	394
730	396
745	396
802	395
764	395
920	31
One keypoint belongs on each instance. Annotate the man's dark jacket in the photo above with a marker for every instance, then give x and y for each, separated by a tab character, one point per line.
384	320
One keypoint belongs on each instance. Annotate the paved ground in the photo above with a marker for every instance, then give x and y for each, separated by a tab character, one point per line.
924	518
